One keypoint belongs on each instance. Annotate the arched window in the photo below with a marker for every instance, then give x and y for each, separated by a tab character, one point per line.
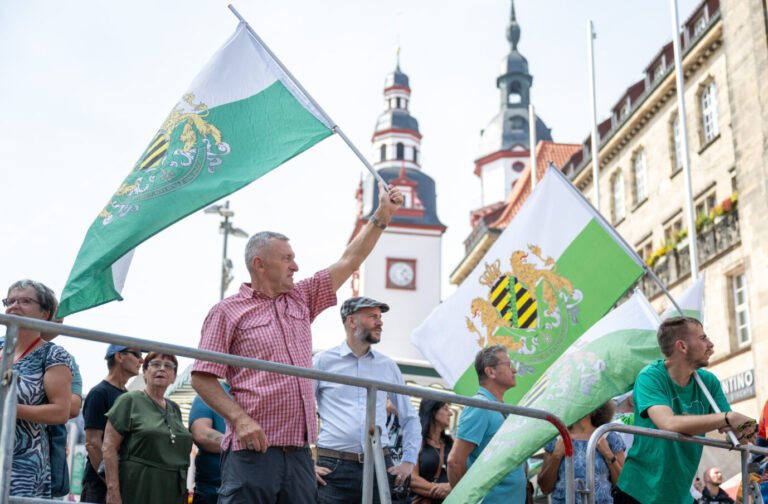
400	151
397	102
639	177
383	152
513	95
617	197
710	127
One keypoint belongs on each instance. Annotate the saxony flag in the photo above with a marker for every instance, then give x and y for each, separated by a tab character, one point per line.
554	271
601	364
241	117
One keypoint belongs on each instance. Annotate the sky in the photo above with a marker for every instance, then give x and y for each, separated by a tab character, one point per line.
86	84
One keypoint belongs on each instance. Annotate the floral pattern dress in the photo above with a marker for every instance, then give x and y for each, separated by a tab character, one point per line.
31	469
602	475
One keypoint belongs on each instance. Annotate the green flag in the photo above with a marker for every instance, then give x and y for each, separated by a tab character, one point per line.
601	364
554	271
241	117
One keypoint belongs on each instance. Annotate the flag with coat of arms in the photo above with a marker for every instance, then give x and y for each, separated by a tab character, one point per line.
603	363
556	269
241	117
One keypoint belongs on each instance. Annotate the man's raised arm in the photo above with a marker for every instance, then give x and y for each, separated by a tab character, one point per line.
363	243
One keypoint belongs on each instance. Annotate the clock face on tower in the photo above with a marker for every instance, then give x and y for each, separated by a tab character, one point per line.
401	273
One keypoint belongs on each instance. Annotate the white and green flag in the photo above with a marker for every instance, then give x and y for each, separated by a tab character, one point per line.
241	117
554	272
691	301
601	364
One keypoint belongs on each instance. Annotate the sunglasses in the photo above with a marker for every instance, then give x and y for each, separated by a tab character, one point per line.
132	352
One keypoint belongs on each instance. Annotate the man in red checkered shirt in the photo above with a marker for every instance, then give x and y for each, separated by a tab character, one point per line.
271	418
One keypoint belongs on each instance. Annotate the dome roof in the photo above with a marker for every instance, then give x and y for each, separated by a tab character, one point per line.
396	78
514	63
509	128
396	118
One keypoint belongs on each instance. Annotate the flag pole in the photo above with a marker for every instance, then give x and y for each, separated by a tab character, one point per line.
683	134
593	112
532	143
335	128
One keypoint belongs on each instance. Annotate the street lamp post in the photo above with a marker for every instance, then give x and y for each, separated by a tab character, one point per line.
226	228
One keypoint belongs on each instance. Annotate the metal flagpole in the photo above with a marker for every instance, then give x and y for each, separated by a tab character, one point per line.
683	134
593	111
335	128
532	142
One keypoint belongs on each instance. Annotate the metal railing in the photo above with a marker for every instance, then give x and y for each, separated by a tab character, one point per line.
745	450
8	396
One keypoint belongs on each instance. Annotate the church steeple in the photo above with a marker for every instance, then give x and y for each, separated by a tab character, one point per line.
396	138
509	128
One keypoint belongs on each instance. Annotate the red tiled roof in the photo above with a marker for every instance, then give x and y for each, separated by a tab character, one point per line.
546	151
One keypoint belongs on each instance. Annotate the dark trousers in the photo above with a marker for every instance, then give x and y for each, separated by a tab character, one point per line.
204	498
344	484
274	477
620	497
94	491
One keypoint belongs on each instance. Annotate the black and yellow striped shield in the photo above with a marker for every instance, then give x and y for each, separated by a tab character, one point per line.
514	302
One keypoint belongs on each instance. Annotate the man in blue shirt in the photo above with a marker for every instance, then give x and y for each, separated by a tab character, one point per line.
477	426
207	429
340	444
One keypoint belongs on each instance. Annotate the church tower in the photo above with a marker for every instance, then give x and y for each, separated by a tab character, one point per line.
504	149
404	268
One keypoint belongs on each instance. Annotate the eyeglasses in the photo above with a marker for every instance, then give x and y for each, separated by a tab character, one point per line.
135	353
508	364
169	366
23	301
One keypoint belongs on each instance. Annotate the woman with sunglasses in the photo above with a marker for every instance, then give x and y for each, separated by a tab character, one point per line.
146	446
44	380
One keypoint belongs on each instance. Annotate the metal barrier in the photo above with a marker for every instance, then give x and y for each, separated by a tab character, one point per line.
673	436
7	392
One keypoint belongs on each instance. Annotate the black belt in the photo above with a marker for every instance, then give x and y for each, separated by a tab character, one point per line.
354	457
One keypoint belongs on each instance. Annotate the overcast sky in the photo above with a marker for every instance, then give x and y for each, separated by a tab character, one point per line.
86	84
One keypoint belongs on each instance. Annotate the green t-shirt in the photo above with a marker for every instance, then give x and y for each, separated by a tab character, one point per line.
660	471
154	453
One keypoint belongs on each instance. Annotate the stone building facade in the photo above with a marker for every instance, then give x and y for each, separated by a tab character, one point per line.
642	188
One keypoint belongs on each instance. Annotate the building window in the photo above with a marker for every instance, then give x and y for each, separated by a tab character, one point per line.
741	309
400	151
383	152
415	155
706	205
645	250
518	166
513	95
397	102
617	195
624	109
672	231
658	72
677	143
639	177
699	25
709	124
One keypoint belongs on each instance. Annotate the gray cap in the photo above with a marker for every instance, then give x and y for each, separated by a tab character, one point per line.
353	304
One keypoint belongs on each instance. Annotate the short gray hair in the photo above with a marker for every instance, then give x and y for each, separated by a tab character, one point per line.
257	243
45	295
487	357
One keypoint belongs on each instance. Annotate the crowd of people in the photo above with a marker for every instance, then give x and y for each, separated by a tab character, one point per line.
255	432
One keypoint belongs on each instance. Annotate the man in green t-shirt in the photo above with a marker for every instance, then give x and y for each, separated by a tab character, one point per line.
667	397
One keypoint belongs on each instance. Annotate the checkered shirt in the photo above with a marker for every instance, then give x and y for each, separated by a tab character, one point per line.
251	324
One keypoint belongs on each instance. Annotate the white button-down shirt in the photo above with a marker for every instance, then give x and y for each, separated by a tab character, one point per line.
342	407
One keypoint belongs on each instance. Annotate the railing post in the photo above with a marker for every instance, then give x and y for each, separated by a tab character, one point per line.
380	466
8	401
370	422
746	493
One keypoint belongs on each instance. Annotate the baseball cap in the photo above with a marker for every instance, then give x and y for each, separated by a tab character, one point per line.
353	304
113	349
